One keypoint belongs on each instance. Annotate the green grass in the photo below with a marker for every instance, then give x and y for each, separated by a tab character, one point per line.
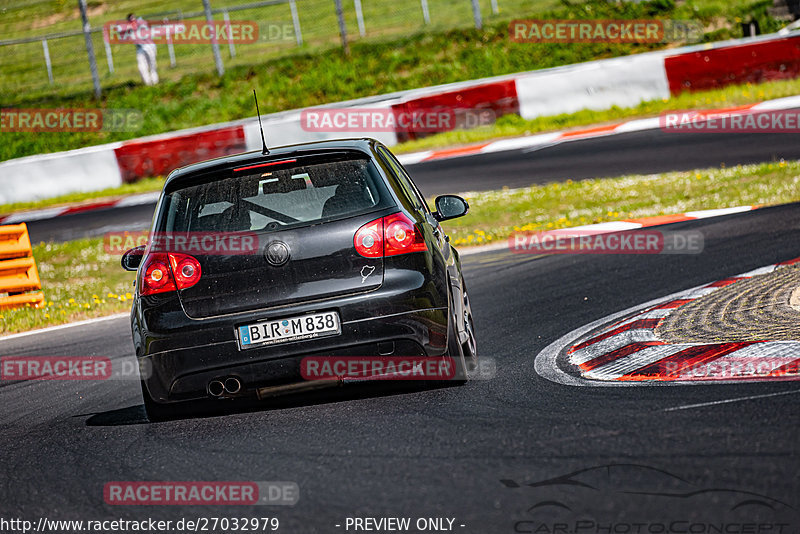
408	58
495	215
80	280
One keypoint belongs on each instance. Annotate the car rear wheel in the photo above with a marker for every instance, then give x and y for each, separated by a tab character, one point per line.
157	411
470	346
454	348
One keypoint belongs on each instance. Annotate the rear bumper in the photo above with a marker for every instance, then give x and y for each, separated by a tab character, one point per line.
406	316
184	373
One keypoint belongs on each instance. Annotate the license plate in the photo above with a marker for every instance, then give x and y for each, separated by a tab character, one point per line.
289	329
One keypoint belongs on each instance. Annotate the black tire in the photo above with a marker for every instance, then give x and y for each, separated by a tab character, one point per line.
157	411
470	346
455	350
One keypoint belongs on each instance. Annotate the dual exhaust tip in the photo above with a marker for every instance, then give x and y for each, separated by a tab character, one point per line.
221	386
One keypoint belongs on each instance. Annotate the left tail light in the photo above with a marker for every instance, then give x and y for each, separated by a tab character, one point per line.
162	272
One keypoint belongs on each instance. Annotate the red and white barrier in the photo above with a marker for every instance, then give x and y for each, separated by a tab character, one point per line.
623	82
48	175
744	62
159	155
499	96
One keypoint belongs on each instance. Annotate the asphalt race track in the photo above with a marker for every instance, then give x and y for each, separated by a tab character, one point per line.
637	152
457	452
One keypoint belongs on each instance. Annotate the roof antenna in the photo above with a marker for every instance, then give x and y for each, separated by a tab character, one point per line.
264	149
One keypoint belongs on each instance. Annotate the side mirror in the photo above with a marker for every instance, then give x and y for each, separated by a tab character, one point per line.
450	207
131	259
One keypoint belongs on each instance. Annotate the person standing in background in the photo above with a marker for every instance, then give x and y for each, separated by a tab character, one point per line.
145	50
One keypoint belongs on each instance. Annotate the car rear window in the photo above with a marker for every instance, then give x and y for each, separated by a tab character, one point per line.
276	198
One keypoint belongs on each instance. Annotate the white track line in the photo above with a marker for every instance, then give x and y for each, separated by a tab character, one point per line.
63	326
704	214
728	401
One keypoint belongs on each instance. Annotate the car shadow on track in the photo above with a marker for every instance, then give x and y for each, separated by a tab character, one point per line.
136	415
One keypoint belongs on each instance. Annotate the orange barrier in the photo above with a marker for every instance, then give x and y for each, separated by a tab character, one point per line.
18	274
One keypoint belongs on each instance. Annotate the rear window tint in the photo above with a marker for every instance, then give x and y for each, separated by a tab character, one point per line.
278	199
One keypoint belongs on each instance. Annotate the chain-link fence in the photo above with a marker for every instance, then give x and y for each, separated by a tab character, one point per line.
48	49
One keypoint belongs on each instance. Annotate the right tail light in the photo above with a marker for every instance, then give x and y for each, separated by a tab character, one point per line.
389	236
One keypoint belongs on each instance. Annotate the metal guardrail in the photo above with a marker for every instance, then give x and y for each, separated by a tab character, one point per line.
83	58
165	16
162	15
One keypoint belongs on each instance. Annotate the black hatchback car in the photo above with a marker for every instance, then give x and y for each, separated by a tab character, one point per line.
256	262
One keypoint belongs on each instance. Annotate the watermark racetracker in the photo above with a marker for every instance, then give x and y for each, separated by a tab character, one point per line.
199	243
591	241
72	368
70	120
390	368
185	493
432	120
183	32
604	31
731	121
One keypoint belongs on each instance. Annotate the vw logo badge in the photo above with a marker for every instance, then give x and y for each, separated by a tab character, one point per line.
277	253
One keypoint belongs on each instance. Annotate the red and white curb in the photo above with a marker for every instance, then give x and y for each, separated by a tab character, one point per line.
49	213
554	138
626	224
627	351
